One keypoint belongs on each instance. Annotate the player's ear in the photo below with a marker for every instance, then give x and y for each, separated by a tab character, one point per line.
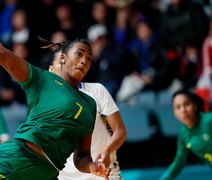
63	58
50	68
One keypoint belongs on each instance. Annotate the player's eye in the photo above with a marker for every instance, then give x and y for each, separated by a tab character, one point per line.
89	59
79	54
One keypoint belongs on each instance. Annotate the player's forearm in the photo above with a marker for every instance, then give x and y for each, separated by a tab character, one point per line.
175	168
116	141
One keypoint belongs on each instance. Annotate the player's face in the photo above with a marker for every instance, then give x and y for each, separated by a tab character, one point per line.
184	109
77	61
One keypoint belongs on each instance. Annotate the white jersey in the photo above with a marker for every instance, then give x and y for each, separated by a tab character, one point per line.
100	137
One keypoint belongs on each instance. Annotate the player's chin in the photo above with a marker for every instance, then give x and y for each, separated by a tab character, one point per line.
78	75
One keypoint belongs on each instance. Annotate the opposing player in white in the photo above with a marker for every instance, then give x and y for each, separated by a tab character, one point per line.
108	135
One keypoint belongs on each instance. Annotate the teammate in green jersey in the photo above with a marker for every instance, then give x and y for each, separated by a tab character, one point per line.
60	120
4	133
195	135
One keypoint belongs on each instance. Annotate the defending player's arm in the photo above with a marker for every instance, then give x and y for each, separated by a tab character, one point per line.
175	168
84	162
179	162
118	136
14	65
119	131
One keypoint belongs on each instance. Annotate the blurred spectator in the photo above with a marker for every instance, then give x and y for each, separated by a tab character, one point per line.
7	90
150	10
20	30
108	65
7	7
121	28
117	3
21	33
204	84
207	52
46	58
20	49
66	22
41	15
151	65
190	67
206	6
58	37
184	23
101	13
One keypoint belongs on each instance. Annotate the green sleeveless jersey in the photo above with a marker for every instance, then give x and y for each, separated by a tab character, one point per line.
59	115
197	139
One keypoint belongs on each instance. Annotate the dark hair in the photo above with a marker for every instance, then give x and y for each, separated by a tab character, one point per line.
59	47
193	97
64	46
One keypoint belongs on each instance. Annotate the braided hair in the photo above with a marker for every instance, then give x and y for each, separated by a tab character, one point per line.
64	46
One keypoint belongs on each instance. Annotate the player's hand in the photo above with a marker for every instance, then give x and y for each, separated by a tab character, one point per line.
104	157
99	169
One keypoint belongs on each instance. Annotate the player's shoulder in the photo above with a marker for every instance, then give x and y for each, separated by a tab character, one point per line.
96	85
206	117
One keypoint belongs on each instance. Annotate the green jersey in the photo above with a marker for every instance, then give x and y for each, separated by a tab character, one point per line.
197	139
59	115
3	125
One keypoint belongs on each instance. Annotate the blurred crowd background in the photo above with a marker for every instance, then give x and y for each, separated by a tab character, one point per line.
143	51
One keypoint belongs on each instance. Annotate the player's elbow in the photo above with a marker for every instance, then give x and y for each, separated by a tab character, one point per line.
82	163
124	134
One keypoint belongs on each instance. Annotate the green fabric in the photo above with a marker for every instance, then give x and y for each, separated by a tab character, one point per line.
3	125
59	115
197	139
17	160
